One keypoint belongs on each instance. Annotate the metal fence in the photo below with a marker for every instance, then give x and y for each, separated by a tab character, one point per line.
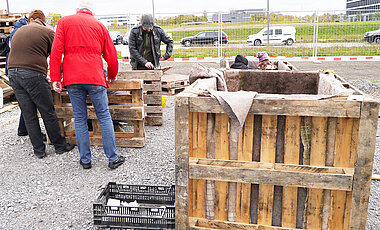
318	33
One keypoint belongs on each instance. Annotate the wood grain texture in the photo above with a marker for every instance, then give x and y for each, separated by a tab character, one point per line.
268	154
364	164
341	159
182	162
317	158
221	152
243	198
291	156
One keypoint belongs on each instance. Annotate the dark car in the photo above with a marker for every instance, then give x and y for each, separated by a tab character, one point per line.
205	37
116	36
372	36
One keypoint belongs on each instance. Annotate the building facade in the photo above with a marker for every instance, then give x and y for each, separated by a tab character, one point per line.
363	10
238	15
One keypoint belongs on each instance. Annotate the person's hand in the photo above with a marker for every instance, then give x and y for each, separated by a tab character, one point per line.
57	86
149	65
162	58
111	80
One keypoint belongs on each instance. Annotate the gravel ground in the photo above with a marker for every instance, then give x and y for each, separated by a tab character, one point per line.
56	193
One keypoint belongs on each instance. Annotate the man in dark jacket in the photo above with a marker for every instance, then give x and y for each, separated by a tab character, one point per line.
27	67
144	44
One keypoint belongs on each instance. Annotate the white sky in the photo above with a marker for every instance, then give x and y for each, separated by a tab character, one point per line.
101	7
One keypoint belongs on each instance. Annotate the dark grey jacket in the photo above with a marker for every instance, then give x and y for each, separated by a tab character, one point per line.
136	41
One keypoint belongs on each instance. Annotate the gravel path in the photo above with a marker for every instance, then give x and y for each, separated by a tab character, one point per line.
56	193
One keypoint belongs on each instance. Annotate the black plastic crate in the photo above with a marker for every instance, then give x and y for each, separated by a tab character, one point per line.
156	207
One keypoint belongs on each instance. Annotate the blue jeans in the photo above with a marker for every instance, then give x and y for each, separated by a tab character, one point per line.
98	96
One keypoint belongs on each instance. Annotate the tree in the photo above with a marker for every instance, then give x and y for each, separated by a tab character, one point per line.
358	17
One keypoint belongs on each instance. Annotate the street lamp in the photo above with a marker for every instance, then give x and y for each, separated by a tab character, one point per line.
153	8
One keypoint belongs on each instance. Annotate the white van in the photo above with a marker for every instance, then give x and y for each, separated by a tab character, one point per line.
277	35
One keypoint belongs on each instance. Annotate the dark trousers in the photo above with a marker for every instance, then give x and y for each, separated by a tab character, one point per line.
21	126
33	92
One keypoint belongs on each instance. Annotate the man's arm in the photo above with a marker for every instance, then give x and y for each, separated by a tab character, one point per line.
165	38
110	56
133	50
57	51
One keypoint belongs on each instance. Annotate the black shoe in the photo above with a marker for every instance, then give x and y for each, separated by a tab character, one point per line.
85	166
68	148
40	155
113	165
22	134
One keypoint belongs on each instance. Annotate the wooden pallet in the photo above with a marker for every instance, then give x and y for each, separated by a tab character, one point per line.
298	162
152	93
6	30
128	106
174	83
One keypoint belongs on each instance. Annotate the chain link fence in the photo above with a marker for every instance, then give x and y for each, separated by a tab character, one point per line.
306	34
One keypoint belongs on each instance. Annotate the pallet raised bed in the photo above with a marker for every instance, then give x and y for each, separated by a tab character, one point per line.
125	104
152	93
303	159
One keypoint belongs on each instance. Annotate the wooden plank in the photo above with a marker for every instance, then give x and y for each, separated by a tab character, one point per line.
117	112
137	142
268	150
210	154
153	109
200	185
317	158
8	108
353	157
140	74
137	100
152	87
341	159
243	198
245	172
152	99
153	120
277	195
122	85
198	223
283	106
331	135
191	154
96	127
291	156
182	162
255	157
221	152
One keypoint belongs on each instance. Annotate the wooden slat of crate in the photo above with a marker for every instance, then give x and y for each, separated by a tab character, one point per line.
152	89
133	111
319	179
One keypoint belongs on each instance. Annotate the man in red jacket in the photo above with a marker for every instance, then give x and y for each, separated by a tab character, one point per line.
82	40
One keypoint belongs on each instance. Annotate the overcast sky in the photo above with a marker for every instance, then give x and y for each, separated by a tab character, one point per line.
101	7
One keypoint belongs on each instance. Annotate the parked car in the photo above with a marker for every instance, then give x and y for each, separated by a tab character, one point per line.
125	38
116	36
205	37
277	35
372	36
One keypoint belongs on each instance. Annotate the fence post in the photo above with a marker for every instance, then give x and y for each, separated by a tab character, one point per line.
219	33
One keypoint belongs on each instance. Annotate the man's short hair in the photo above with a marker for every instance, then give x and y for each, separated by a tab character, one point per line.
37	14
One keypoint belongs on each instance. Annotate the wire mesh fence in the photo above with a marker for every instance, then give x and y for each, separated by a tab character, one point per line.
220	34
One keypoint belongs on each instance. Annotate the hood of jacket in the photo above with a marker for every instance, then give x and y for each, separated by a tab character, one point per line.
21	22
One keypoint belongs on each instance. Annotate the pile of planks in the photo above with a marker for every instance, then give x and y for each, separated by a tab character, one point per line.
4	84
7	22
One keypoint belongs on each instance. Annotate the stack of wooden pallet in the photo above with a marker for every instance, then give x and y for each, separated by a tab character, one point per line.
152	93
174	83
7	22
303	159
125	104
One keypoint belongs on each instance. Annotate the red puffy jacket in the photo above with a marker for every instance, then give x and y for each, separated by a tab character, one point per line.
82	39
